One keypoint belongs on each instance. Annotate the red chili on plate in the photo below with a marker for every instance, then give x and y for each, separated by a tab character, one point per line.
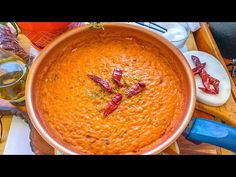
207	80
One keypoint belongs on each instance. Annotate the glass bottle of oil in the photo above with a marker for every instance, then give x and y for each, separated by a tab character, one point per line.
13	73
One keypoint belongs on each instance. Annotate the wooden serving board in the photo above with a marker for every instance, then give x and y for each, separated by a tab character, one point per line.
200	40
205	42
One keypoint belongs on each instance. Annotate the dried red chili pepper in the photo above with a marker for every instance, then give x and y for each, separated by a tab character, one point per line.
211	91
116	75
102	82
215	82
113	104
196	60
212	81
199	66
135	89
198	69
205	79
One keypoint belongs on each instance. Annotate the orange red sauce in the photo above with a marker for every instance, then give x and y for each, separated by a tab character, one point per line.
72	104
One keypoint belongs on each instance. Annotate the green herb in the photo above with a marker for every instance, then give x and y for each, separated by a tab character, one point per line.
104	93
137	78
125	84
96	25
95	95
116	89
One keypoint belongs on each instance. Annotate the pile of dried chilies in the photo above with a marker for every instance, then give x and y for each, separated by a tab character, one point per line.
207	80
116	76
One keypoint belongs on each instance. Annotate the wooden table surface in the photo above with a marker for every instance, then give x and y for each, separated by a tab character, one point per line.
191	45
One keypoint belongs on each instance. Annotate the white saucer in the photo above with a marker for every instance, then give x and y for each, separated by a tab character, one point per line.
216	70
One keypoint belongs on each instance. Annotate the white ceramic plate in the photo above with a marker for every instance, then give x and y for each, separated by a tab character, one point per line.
216	70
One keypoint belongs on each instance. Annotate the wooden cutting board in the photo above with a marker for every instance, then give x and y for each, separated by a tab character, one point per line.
201	40
205	42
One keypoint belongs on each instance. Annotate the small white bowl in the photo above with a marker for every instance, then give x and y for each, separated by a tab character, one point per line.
177	33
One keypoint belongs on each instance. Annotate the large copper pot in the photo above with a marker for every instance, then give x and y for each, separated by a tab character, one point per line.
65	43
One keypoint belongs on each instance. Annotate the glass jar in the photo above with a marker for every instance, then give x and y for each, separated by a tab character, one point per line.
13	73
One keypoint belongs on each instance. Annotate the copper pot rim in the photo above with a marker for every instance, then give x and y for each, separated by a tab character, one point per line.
156	149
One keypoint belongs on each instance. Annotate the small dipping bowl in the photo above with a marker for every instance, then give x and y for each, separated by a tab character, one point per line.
177	33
